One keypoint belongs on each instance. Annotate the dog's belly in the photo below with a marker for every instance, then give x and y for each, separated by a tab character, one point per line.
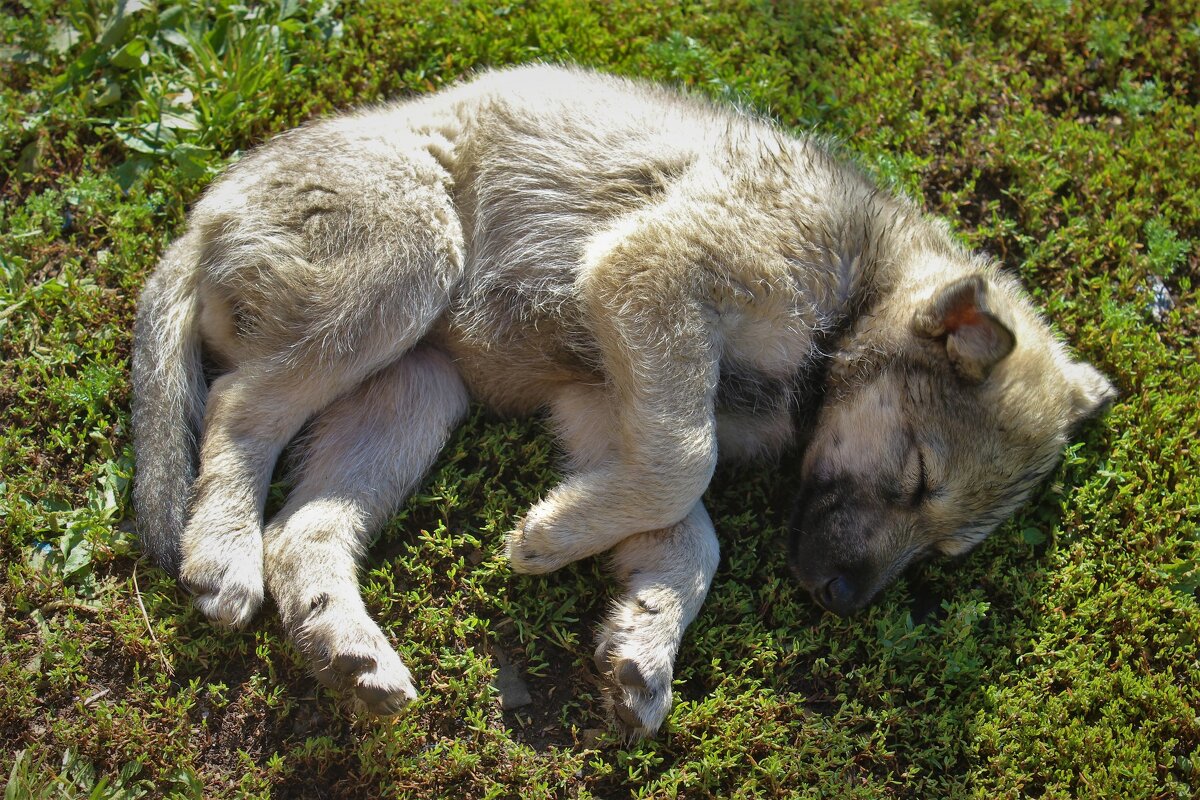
515	369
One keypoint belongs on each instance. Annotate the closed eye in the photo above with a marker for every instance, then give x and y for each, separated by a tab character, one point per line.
918	479
923	482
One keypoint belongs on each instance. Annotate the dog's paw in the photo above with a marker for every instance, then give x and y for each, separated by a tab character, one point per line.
377	677
637	690
226	589
532	548
636	655
352	654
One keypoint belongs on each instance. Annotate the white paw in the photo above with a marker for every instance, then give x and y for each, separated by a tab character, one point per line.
377	677
636	657
350	653
227	588
532	548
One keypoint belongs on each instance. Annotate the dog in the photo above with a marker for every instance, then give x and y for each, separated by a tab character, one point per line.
667	278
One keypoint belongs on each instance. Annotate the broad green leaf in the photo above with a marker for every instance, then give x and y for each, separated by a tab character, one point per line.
173	37
104	95
128	173
131	56
180	121
1033	536
77	552
137	144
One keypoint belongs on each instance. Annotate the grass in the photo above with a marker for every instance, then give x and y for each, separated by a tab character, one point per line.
1059	660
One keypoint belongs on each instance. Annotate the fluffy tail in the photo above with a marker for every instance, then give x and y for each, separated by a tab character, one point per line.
168	403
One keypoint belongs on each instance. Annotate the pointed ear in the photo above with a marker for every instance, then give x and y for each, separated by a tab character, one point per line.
974	338
1091	392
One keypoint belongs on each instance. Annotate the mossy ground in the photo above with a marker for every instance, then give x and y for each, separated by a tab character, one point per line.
1059	660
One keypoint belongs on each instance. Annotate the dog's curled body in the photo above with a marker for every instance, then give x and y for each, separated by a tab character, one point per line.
669	279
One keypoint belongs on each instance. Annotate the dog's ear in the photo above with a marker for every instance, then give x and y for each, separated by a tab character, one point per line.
1091	392
959	317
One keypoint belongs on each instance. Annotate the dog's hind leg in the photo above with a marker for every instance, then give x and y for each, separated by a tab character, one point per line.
666	574
252	413
365	454
301	320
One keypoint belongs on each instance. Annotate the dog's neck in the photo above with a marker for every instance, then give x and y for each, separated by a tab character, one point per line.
880	262
858	253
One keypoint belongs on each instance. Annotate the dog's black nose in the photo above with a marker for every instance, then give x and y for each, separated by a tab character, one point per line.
838	596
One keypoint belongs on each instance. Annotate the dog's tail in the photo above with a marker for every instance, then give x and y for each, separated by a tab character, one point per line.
169	394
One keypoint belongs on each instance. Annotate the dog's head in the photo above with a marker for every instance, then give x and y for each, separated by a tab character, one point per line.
943	412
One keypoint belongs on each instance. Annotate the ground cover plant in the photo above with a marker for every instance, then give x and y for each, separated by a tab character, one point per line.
1059	660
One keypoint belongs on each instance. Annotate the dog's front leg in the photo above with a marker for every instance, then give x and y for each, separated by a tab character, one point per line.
662	368
666	575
